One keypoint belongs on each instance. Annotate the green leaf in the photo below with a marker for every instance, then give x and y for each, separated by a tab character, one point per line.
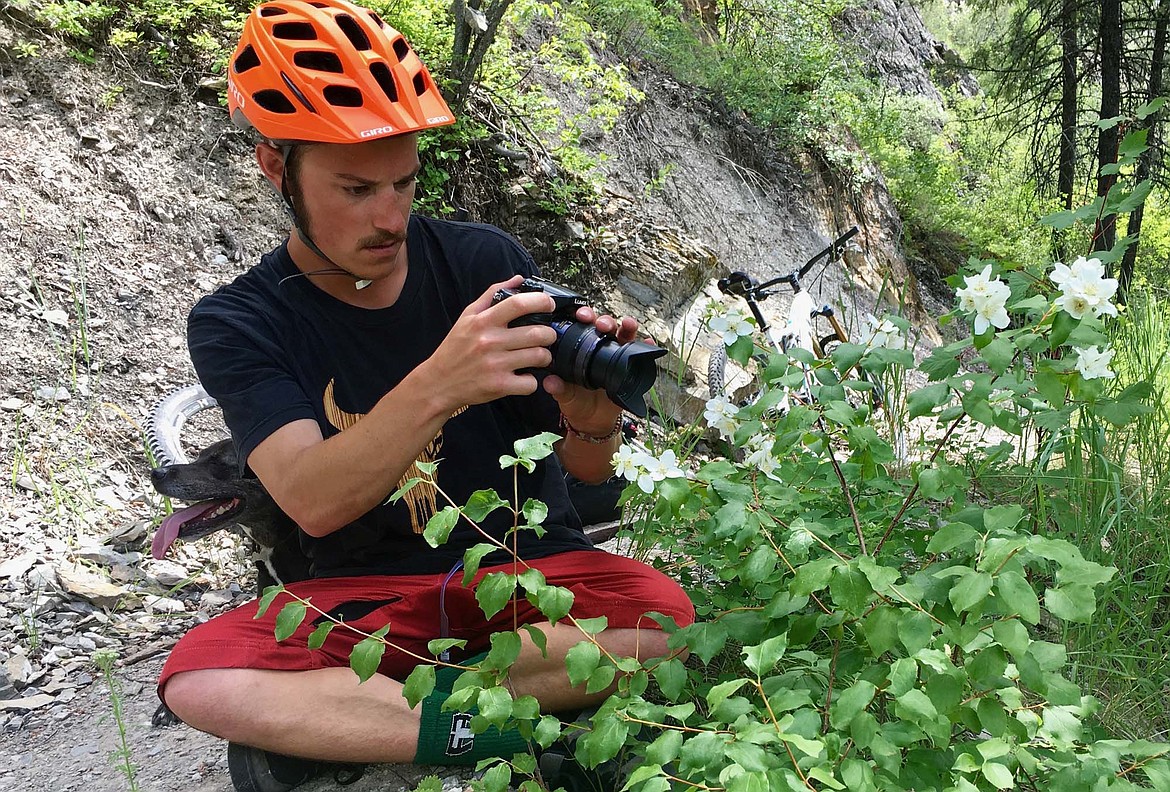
924	400
494	592
581	661
318	636
548	729
603	742
664	749
537	447
266	599
1018	596
915	630
741	350
999	354
719	693
915	706
289	619
1071	602
554	602
482	503
439	526
705	639
592	626
951	535
851	702
397	494
1127	202
1059	221
671	676
420	684
437	646
998	775
881	629
1002	518
850	589
495	704
1062	325
972	588
472	558
813	576
539	639
762	658
535	512
1149	109
505	649
367	655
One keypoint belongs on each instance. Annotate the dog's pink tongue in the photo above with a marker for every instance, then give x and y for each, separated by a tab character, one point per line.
170	528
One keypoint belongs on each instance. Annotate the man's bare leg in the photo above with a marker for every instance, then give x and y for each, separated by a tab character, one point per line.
325	714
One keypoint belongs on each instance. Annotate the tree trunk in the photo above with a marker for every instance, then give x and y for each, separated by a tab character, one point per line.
1134	226
1066	166
471	42
1105	234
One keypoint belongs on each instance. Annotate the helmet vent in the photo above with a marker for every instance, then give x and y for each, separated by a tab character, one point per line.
319	5
317	61
401	49
296	31
420	84
377	19
269	11
297	93
353	32
342	96
273	101
381	73
248	59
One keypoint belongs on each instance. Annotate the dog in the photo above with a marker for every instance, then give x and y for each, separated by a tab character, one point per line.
225	500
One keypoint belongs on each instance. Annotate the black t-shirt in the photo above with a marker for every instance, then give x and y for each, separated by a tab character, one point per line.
273	349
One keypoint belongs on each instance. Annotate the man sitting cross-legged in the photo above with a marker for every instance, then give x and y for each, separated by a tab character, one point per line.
366	343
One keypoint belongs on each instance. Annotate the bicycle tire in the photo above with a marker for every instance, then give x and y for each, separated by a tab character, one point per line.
716	369
165	426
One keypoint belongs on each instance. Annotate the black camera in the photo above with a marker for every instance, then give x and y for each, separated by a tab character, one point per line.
585	357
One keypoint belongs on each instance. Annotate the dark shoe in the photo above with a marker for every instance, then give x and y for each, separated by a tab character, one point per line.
256	770
559	768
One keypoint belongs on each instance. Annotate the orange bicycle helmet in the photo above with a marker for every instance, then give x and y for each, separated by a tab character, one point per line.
328	71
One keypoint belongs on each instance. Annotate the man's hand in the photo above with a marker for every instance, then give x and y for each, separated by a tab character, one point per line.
480	358
590	411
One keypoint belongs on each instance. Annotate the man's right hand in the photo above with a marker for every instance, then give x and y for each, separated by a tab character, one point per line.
479	359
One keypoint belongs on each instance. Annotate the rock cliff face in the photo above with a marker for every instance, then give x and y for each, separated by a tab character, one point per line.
703	192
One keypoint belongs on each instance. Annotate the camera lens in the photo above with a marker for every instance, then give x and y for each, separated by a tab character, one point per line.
626	371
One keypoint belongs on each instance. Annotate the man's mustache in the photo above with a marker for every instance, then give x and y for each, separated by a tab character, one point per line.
382	239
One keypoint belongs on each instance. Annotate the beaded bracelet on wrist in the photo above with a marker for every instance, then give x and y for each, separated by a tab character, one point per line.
592	439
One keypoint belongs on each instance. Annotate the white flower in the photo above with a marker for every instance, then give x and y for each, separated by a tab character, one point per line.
883	334
987	298
732	324
1093	362
759	454
1084	288
644	468
720	414
629	462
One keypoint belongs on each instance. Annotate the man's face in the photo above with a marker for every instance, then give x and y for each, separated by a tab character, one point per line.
354	200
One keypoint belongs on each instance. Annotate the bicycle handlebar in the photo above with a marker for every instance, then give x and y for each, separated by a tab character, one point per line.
743	285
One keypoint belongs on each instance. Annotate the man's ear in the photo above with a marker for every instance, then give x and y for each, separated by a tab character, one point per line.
271	161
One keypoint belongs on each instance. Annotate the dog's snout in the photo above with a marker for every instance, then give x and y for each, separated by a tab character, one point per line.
159	475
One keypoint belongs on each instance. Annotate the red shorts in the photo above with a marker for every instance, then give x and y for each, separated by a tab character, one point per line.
603	584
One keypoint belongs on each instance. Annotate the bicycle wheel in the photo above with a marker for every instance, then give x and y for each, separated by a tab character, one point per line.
165	426
726	378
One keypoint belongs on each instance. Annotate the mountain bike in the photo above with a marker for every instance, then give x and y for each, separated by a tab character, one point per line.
802	330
